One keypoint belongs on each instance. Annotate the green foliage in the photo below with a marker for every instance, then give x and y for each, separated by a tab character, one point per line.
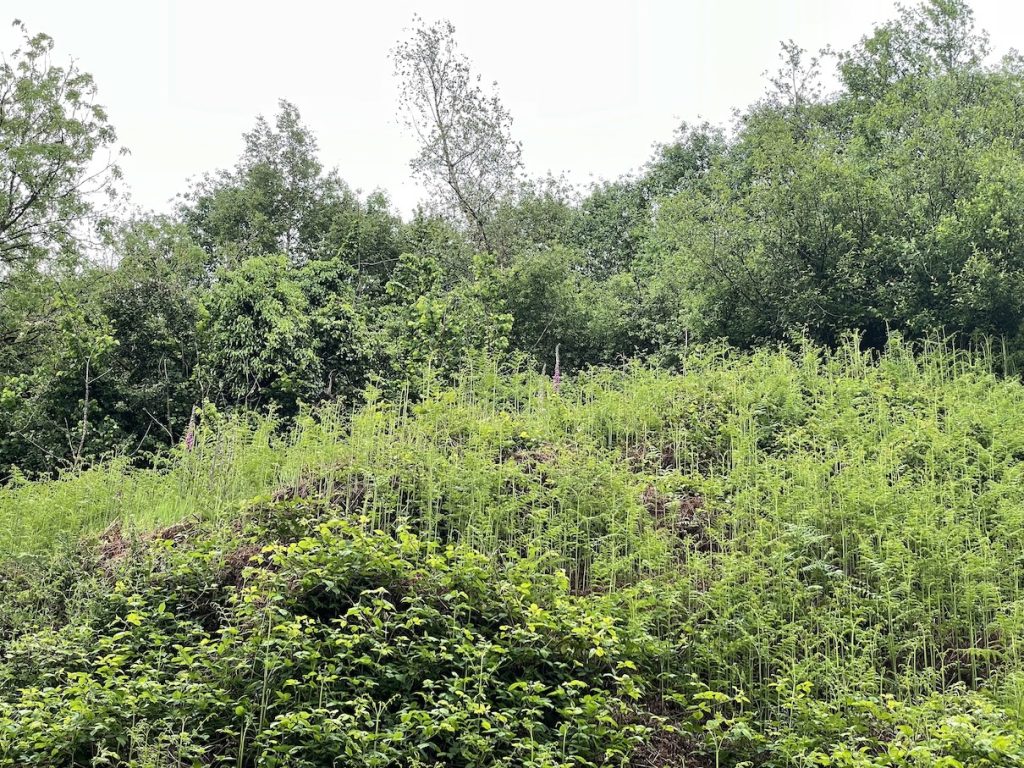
152	303
266	203
889	206
338	332
279	199
257	336
427	332
553	302
336	642
133	327
803	558
540	215
59	393
311	503
613	223
50	129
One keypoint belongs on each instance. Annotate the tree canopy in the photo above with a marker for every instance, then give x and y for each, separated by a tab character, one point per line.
892	203
51	133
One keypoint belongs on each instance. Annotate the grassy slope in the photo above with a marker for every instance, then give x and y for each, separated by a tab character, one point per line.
808	559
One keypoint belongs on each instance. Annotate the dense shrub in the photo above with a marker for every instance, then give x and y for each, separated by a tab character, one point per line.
331	645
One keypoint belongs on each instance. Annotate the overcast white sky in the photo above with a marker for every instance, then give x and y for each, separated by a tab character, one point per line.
591	84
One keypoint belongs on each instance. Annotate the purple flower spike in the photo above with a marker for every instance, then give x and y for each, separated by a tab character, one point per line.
190	433
557	378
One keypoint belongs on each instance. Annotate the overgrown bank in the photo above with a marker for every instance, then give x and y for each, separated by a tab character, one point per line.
786	559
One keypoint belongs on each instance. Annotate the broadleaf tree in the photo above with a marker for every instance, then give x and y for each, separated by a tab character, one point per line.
52	132
467	159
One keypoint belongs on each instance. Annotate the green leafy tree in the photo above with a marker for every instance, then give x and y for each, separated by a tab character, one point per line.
432	235
932	39
51	131
152	301
429	332
257	349
280	199
613	223
53	394
101	362
541	214
265	203
889	206
553	302
338	331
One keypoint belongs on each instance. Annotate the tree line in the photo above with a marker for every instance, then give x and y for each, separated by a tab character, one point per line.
893	202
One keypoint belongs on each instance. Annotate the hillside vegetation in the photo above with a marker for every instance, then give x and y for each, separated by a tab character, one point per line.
776	559
716	465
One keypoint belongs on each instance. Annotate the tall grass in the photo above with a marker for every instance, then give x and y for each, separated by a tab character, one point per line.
233	461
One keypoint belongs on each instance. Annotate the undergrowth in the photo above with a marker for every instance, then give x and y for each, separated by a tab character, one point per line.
781	559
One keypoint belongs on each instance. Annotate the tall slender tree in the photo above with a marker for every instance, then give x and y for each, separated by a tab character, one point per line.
467	156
